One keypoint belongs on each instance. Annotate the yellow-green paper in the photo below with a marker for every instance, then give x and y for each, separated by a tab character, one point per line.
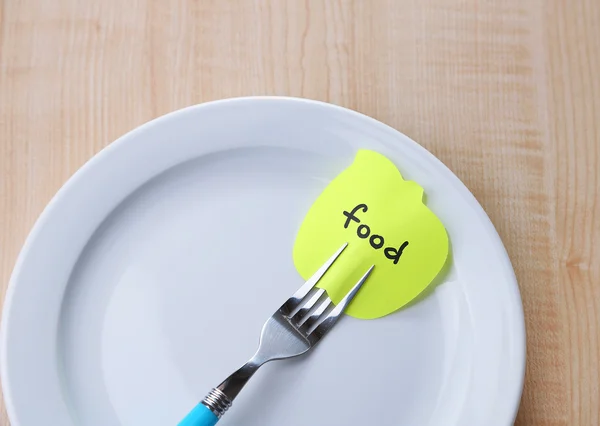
383	219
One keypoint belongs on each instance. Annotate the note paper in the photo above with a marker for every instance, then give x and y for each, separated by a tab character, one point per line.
383	219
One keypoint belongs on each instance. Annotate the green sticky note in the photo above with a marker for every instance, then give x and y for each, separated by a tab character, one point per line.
383	219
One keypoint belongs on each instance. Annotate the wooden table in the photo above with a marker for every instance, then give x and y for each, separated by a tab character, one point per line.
505	92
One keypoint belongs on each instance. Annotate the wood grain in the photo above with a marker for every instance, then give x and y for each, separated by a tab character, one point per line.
506	93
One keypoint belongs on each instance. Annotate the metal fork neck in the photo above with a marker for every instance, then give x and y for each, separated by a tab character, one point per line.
220	399
232	385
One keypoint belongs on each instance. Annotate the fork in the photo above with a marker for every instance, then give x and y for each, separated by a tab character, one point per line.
295	328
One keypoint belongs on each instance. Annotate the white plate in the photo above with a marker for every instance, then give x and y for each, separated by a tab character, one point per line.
148	277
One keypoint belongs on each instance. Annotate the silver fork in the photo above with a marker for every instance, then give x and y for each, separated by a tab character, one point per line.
295	328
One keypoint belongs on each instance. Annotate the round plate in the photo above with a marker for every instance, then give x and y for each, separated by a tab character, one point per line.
147	279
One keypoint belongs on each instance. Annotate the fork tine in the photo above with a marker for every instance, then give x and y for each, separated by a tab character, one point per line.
324	326
314	317
289	307
299	317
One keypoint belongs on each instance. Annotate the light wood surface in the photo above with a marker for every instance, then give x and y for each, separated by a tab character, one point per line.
506	93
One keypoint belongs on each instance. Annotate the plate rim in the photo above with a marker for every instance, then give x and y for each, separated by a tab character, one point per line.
40	223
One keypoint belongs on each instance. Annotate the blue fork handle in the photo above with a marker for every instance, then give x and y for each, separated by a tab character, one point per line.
200	416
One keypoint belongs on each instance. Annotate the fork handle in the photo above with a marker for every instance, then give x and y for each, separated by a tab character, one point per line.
209	411
218	400
201	415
